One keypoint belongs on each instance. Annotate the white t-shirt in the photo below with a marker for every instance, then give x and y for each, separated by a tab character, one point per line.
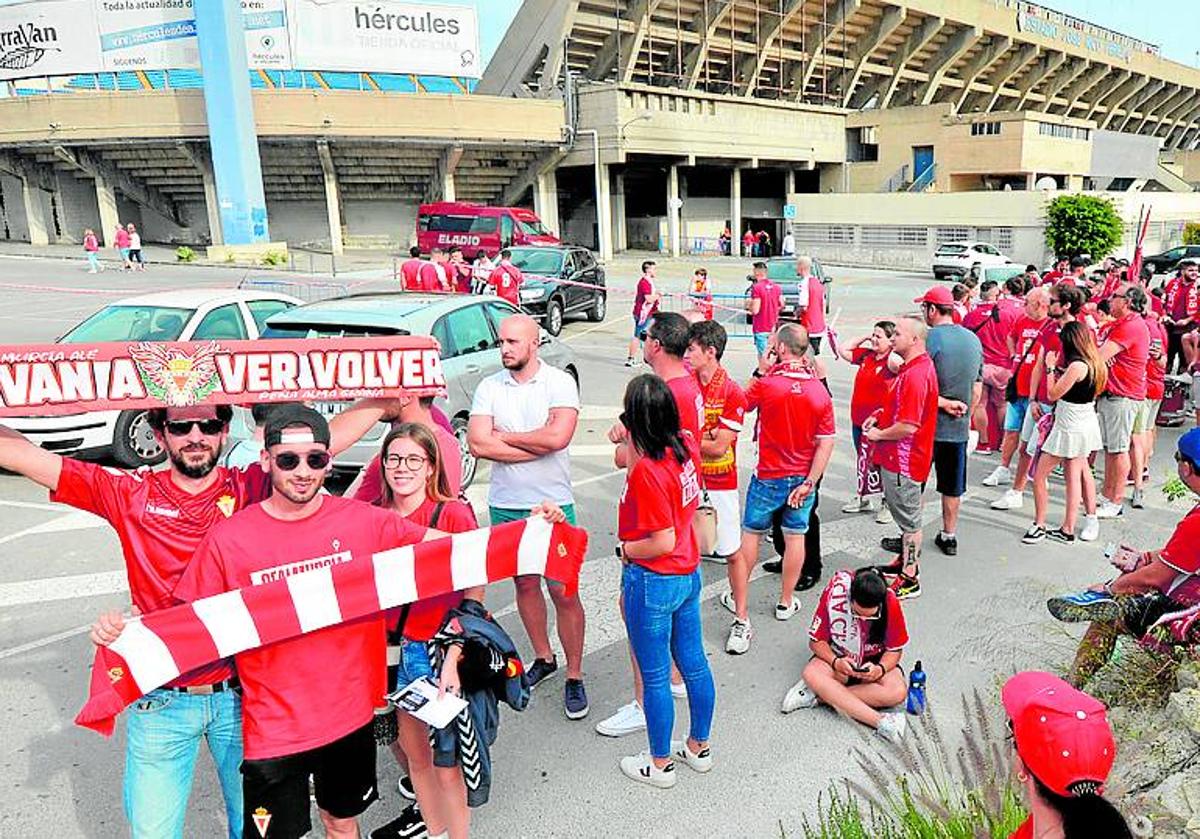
135	242
516	406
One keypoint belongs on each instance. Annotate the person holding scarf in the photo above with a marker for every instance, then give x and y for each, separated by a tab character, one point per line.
857	637
1181	300
870	355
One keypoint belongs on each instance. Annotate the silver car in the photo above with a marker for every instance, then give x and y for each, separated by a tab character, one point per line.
467	328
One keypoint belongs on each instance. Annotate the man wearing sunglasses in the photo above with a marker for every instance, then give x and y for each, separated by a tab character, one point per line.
161	517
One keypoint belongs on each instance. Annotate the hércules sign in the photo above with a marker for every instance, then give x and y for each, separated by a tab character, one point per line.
72	378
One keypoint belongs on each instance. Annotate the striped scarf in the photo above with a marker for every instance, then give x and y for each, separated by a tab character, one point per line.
156	648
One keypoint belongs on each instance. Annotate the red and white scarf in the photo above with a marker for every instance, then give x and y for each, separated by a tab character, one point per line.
844	626
154	649
1176	287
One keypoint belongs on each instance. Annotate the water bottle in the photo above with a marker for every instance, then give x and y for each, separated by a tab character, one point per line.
916	690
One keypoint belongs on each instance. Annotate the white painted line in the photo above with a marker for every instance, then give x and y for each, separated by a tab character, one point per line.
590	329
51	589
597	478
599	412
31	505
74	520
43	642
604	450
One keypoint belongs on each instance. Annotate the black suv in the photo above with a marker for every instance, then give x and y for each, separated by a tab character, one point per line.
549	292
1165	262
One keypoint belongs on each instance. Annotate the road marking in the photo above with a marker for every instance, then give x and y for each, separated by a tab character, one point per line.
33	505
74	520
589	330
43	642
51	589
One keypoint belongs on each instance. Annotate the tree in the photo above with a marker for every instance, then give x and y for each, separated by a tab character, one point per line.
1191	233
1082	224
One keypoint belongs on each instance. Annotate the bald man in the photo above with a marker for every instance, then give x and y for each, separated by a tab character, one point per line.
522	419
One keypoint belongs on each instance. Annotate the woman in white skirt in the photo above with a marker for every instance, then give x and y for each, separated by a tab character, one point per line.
1076	434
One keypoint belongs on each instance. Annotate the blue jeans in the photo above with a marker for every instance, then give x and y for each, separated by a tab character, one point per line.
662	617
766	496
93	261
163	732
760	342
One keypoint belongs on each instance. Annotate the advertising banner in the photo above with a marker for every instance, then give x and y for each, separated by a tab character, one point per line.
147	34
267	44
48	38
53	379
385	37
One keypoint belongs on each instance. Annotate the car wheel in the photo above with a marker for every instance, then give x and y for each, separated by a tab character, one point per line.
469	463
134	443
599	308
554	317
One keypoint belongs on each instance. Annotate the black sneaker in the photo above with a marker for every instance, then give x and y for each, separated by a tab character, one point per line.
948	544
1035	534
773	566
1060	535
408	825
892	544
539	671
807	581
575	702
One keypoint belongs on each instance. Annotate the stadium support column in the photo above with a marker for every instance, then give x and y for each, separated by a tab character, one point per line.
545	200
620	228
35	213
106	201
735	211
333	200
789	183
673	205
232	136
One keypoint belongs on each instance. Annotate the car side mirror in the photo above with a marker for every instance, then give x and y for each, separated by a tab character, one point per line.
483	344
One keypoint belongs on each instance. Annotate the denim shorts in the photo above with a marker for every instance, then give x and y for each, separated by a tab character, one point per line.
1014	414
766	496
640	327
414	663
761	339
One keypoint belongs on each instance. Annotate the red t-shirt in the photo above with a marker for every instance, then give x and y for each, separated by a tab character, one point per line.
914	401
992	323
814	313
462	274
871	384
160	526
1025	831
724	407
772	303
433	277
1024	333
690	403
1127	369
794	411
1049	342
1181	299
641	311
1155	375
1182	553
1050	278
425	616
370	489
316	688
895	634
506	278
410	274
661	494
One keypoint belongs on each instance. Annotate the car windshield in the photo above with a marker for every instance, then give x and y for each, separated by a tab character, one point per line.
538	261
782	270
951	250
533	228
1002	273
462	224
323	330
130	323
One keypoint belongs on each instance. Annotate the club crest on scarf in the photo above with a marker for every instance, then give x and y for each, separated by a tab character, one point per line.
174	376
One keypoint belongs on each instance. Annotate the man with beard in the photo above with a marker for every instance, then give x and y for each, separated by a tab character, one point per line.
161	517
522	419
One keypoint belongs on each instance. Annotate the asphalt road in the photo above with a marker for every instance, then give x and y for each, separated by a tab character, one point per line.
981	615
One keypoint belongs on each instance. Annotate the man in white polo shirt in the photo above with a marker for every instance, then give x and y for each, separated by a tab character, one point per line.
523	418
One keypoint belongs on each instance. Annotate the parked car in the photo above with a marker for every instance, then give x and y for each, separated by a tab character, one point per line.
961	258
1165	262
545	295
782	270
467	327
476	227
185	315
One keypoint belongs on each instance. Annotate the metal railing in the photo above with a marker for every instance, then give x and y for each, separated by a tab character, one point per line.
925	179
897	181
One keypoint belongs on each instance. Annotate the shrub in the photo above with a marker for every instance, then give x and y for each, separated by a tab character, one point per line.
1083	224
185	254
273	258
1191	233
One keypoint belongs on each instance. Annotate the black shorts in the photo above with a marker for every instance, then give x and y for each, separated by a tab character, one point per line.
276	789
950	464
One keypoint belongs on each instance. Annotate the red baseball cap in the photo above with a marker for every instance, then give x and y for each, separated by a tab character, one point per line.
939	295
1061	733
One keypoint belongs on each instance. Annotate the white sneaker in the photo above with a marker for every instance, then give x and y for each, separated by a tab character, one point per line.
641	768
627	720
883	515
1091	529
679	691
799	697
727	602
1000	475
891	727
1010	500
1108	510
701	763
783	613
740	636
857	505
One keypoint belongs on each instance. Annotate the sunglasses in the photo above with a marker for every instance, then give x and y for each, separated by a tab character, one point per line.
411	462
181	428
287	461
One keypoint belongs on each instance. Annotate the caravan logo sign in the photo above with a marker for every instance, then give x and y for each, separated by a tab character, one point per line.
47	38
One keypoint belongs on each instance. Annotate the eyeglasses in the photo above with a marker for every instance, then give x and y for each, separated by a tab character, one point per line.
182	428
316	460
874	616
411	462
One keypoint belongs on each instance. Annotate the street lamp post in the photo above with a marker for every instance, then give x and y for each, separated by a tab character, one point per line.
603	211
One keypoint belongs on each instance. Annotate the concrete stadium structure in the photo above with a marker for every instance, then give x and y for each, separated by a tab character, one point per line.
676	118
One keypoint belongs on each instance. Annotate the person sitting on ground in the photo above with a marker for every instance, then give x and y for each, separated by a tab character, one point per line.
1156	583
1065	750
857	637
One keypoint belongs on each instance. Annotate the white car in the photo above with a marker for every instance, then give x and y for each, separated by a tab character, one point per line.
185	315
962	258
